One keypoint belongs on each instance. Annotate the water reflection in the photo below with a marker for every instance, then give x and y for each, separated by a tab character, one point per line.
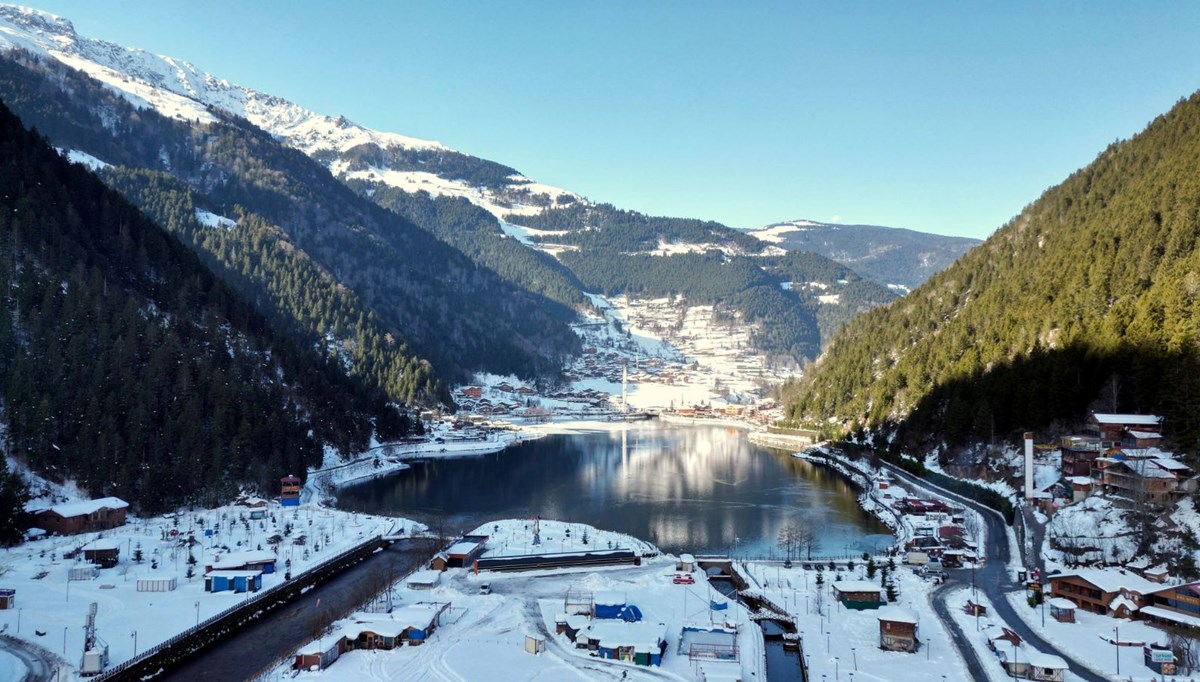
696	489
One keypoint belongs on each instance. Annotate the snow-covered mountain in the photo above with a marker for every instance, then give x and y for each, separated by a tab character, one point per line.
897	257
179	90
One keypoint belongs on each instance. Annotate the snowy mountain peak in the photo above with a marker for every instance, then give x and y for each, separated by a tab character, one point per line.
178	89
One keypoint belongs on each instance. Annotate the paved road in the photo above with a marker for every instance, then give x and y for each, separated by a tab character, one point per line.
35	659
995	580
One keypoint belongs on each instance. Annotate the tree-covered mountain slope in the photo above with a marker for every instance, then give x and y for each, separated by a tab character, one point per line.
128	367
893	256
416	296
794	300
1090	296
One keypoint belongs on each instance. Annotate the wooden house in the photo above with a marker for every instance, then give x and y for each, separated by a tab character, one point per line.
103	552
897	629
8	598
82	517
858	594
1098	591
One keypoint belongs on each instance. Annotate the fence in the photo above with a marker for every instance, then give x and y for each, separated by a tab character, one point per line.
159	658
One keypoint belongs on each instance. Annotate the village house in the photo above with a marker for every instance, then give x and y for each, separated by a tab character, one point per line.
1125	595
410	625
82	517
897	629
1158	481
1115	429
641	643
858	595
103	552
1061	610
249	560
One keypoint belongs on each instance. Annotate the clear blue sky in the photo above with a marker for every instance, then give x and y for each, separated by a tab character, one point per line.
945	117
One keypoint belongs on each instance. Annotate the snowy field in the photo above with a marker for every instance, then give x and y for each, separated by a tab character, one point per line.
1094	634
484	636
52	609
838	641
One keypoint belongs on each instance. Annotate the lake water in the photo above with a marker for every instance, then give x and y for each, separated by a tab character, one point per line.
692	489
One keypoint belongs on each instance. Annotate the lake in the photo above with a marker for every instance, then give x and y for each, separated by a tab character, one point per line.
697	489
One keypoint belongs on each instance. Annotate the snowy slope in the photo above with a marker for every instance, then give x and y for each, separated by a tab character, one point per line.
179	90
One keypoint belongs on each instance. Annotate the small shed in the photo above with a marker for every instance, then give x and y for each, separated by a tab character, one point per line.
608	604
249	560
897	629
640	643
233	581
466	550
156	584
319	655
1061	610
103	552
1045	667
423	580
858	594
687	562
8	598
440	561
974	609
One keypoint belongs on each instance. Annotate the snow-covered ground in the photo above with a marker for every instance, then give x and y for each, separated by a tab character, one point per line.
1092	637
50	604
838	640
484	636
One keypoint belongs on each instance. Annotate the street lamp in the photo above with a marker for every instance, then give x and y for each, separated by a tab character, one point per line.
836	671
854	653
1117	642
134	635
197	614
65	639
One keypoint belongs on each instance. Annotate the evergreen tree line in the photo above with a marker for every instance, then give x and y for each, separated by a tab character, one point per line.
477	234
456	315
604	227
126	366
1089	297
263	265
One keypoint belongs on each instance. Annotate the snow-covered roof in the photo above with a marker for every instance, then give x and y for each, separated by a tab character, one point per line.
1173	616
232	574
425	578
856	586
1122	601
1079	480
1112	581
102	544
615	633
1040	660
236	559
897	614
463	547
1171	464
609	598
1145	435
88	506
1060	603
1142	419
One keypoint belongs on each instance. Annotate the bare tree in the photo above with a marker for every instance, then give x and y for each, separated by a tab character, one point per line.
1187	653
807	540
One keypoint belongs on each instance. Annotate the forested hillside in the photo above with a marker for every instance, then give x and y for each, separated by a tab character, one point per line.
129	368
796	301
418	296
1090	296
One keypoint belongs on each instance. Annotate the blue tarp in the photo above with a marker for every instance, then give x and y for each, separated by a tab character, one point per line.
718	605
630	614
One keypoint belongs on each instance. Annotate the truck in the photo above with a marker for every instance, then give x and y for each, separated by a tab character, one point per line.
916	558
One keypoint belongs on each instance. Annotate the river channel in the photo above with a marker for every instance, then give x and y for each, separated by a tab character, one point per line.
699	489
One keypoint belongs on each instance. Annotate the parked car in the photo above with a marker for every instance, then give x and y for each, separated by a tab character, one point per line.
485	589
684	579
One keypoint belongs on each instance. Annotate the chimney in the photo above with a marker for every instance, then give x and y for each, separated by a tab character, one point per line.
1028	465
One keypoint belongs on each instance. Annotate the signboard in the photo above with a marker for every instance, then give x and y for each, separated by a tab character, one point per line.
1162	656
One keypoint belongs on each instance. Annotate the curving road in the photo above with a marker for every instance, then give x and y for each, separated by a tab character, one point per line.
995	580
37	661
